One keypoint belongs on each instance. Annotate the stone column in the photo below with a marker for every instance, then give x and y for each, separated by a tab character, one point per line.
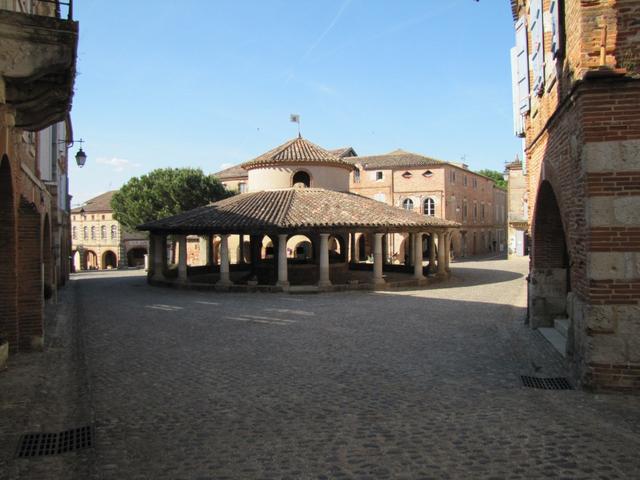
377	258
324	260
432	252
417	255
182	258
441	253
352	248
410	250
283	279
447	250
205	246
241	259
224	261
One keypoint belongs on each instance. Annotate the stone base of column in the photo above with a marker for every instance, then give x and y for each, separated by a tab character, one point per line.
324	283
284	285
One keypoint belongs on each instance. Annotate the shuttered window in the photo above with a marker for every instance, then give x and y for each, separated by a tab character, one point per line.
554	13
522	61
537	48
518	123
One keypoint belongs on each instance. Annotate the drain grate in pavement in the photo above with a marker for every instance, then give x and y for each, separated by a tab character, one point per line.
554	383
42	443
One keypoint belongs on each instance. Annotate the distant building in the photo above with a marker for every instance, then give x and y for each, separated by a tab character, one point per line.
98	240
518	208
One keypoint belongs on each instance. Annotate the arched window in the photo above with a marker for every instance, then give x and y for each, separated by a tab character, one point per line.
93	233
407	204
301	179
74	233
356	175
114	232
103	232
85	233
429	207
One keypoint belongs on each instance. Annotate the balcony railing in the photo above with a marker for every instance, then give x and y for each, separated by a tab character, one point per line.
48	8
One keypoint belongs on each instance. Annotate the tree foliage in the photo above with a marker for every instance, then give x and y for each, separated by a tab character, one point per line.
494	175
164	192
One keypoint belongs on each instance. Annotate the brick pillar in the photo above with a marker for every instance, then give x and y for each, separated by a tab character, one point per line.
30	282
8	275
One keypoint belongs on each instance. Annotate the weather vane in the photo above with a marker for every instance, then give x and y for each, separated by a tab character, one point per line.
295	118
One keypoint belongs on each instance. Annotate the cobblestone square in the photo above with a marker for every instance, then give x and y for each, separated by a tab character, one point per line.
407	384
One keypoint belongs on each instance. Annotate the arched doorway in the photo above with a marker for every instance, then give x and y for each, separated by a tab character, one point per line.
299	247
47	259
301	179
135	257
550	279
364	247
9	318
268	250
109	260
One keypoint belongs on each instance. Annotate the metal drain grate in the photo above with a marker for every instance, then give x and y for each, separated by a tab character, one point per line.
43	444
554	383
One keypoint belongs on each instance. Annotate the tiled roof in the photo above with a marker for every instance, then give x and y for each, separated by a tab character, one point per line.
396	159
296	151
232	172
344	152
294	208
101	203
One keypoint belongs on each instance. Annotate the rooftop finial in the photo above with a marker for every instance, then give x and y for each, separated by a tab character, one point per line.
295	118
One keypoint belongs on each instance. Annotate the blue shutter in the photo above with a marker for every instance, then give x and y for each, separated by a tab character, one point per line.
522	55
537	48
518	124
554	13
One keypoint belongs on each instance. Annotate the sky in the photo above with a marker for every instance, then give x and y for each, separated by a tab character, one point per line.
209	84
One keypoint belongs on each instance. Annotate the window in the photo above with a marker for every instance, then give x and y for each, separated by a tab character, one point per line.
301	179
554	13
406	175
537	48
428	173
407	204
74	233
356	175
429	207
114	231
464	210
102	217
452	176
475	183
93	233
378	176
103	232
85	233
482	211
475	212
242	187
93	217
464	180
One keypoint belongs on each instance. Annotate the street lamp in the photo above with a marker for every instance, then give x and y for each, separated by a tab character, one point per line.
81	157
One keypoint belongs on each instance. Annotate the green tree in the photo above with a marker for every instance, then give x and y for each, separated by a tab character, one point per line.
164	192
494	175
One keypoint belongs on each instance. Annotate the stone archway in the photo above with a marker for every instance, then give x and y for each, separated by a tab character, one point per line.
90	260
550	279
109	260
8	279
135	256
300	247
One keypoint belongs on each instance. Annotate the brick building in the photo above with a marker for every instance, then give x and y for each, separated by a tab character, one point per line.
37	73
518	209
577	105
98	240
425	185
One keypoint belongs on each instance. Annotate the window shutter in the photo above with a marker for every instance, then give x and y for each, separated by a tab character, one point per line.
537	49
554	13
518	124
524	103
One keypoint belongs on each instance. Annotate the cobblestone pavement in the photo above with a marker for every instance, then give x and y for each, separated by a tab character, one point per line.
398	385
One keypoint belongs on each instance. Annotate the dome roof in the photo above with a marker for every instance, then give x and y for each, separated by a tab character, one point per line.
297	152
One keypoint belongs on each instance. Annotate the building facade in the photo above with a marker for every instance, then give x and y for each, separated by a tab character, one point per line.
37	73
98	240
518	210
577	106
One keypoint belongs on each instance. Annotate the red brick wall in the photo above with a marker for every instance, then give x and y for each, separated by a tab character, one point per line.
30	298
8	277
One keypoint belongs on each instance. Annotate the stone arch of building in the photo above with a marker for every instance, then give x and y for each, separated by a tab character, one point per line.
301	178
8	278
268	247
109	260
550	262
90	260
300	247
337	248
135	256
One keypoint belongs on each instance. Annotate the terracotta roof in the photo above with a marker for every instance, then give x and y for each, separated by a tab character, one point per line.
296	151
295	208
396	159
232	172
101	203
344	152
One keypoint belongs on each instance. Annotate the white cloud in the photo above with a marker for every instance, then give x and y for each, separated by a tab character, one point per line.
118	164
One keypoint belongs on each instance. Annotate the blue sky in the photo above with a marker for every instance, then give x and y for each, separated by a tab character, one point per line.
208	84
